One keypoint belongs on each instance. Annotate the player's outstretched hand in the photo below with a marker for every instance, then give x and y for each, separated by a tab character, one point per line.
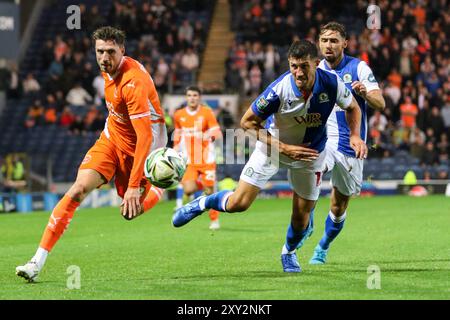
359	146
299	152
131	205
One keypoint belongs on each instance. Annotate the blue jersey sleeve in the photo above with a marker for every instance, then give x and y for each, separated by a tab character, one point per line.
266	104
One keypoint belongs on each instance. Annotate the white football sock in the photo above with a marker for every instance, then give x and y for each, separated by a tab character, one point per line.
285	250
40	257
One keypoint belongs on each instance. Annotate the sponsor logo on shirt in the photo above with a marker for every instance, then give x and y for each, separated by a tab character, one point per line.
371	78
346	93
310	120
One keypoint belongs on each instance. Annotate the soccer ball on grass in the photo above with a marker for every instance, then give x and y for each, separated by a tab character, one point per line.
164	167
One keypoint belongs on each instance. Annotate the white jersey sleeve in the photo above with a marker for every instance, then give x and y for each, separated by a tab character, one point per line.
344	96
366	76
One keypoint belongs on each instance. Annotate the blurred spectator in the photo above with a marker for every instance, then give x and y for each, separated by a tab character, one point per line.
47	54
393	92
56	67
35	114
50	114
78	96
255	78
224	117
417	142
233	79
98	124
185	33
190	63
406	67
90	117
30	85
77	127
427	175
99	88
14	87
395	78
443	145
436	122
432	83
60	48
400	136
429	135
446	116
13	173
430	157
377	124
408	112
59	101
67	118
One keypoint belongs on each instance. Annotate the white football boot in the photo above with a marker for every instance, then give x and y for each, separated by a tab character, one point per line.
214	225
29	271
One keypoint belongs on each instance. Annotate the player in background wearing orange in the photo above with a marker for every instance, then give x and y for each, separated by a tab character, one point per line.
196	129
135	126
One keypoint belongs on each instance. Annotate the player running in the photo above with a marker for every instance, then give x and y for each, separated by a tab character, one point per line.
296	107
196	129
346	167
135	125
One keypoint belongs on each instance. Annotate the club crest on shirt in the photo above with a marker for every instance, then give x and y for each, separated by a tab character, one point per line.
262	103
323	97
86	159
347	78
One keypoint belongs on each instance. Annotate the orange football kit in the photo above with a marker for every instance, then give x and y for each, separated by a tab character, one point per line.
135	125
195	133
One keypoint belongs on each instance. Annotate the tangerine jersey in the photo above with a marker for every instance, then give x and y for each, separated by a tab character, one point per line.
133	106
195	132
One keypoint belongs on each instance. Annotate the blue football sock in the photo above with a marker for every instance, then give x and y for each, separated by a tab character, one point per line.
332	229
293	237
179	196
218	200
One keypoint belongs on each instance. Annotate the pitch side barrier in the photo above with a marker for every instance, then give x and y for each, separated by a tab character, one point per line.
46	201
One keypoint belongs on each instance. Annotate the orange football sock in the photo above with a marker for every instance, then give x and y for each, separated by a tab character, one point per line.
153	196
59	221
213	214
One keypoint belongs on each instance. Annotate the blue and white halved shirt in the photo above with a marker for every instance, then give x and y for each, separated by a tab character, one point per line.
295	120
350	69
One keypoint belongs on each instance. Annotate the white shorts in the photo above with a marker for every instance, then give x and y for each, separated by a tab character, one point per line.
346	172
305	180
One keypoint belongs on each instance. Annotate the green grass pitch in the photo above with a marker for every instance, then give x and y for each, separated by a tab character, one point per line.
407	238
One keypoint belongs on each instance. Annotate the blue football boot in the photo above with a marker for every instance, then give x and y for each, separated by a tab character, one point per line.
319	256
187	212
290	262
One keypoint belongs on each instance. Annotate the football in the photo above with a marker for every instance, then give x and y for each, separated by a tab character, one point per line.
164	167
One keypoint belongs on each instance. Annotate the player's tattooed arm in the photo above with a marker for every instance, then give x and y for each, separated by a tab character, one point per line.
252	124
